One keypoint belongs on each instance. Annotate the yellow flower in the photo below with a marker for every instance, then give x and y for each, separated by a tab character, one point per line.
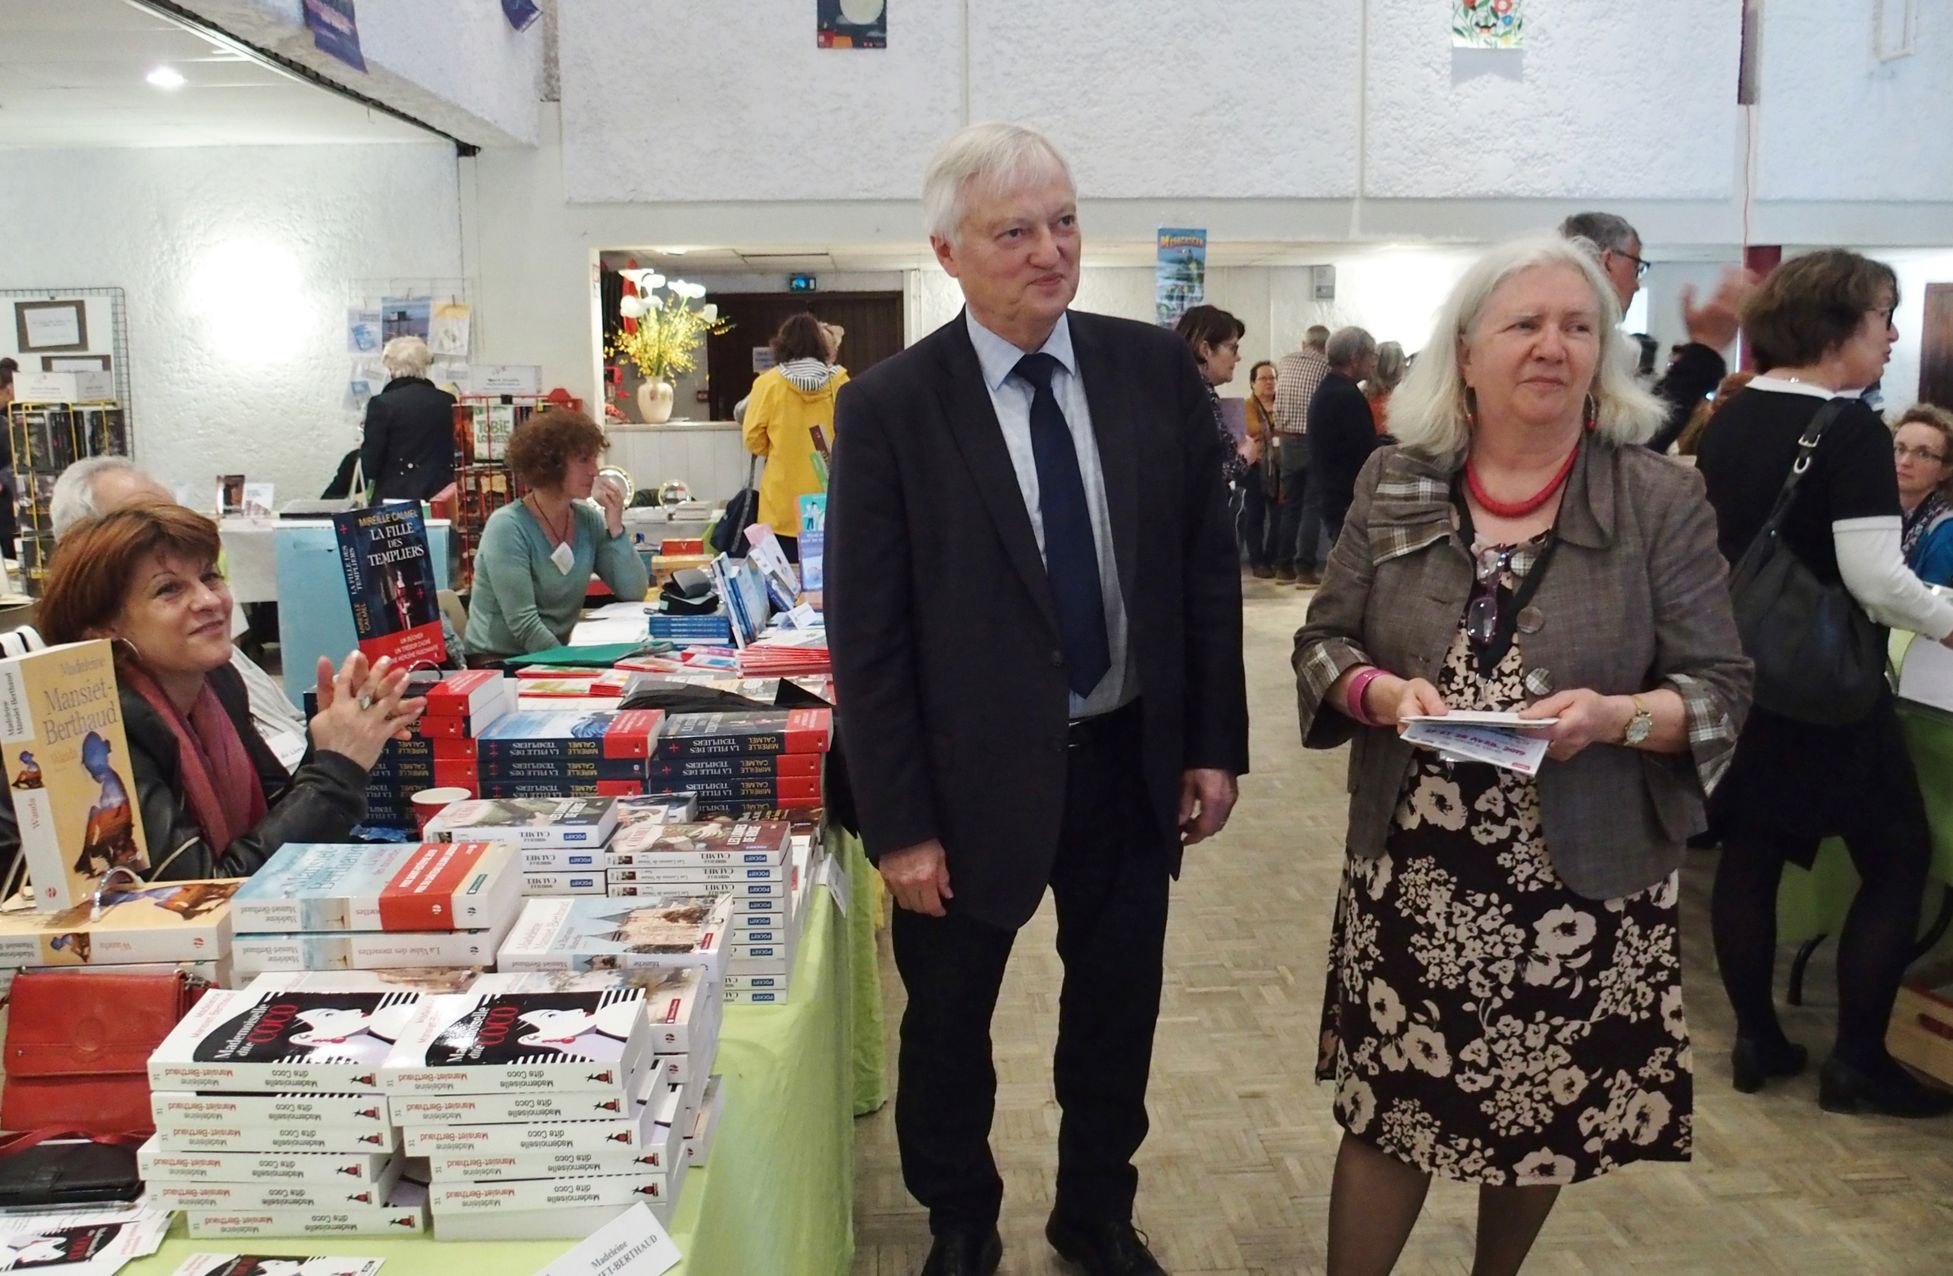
668	335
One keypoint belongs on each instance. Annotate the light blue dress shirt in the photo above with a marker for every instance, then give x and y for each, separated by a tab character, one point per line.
1011	397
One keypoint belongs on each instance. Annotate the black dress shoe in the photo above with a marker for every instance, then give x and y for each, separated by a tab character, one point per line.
1752	1062
1846	1087
962	1253
1103	1248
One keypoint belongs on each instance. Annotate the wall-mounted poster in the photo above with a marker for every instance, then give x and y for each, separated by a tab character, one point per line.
363	330
335	30
1179	273
1488	24
851	24
50	325
449	329
406	317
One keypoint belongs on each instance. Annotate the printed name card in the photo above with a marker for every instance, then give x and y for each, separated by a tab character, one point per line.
632	1244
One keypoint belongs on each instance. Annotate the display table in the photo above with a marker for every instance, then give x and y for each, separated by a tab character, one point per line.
778	1196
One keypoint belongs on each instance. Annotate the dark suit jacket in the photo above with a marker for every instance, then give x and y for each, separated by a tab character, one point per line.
948	672
1693	377
1342	434
409	447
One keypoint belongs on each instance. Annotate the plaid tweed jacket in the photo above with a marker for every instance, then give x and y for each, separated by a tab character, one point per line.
1637	598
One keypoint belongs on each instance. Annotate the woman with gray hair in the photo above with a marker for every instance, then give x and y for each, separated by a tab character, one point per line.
408	450
1392	364
1504	1000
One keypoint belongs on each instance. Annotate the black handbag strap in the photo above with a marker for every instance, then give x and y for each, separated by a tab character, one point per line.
1807	442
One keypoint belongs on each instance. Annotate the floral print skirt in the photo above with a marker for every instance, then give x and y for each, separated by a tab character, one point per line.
1481	1021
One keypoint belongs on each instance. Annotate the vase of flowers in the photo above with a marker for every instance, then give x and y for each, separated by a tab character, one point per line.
661	335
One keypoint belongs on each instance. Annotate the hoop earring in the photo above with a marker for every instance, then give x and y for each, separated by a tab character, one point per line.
1593	411
135	652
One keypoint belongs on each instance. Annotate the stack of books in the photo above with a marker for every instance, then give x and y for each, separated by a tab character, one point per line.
666	931
786	652
749	862
271	1120
572	752
440	753
744	761
560	841
139	927
327	906
541	1102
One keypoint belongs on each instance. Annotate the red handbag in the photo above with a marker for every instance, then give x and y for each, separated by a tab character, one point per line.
78	1046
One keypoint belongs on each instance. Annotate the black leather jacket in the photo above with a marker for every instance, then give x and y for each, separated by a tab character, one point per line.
320	803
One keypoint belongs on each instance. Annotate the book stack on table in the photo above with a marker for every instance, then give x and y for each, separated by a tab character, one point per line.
743	760
560	842
271	1120
752	862
458	705
139	928
566	752
327	906
541	1103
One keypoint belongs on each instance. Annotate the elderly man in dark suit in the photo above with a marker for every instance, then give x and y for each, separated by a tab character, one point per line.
1034	609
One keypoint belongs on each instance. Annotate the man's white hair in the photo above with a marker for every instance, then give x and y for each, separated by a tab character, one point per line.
74	492
406	357
991	159
1429	412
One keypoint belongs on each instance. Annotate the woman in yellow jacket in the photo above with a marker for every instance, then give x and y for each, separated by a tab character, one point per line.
788	401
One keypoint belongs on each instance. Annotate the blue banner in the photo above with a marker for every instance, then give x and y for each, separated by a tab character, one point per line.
520	13
1179	273
335	30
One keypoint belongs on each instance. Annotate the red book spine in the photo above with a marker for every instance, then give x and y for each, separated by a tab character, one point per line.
421	895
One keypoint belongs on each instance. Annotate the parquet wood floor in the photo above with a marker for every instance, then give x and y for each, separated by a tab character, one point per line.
1235	1175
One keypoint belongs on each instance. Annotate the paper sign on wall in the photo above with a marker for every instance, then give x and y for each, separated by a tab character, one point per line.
335	30
406	317
449	329
363	330
851	24
507	378
45	387
1488	24
1179	272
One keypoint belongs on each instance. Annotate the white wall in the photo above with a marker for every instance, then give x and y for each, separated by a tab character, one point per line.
454	64
237	264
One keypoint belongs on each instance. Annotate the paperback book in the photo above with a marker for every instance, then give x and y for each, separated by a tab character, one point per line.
156	1161
276	1265
592	882
325	886
566	1042
259	1193
739	766
67	767
695	735
570	734
527	822
273	1042
389	577
711	842
356	950
404	1214
601	934
134	923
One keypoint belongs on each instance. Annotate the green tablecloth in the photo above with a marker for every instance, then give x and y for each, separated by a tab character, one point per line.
1813	902
778	1196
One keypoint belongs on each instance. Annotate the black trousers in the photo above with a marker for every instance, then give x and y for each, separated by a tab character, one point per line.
1252	526
1111	899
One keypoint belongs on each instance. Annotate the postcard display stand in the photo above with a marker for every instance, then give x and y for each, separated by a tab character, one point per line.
51	428
482	481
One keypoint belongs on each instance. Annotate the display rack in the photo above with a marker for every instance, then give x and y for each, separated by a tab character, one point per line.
482	480
47	437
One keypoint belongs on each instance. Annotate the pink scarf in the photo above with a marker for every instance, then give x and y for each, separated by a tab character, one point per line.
219	783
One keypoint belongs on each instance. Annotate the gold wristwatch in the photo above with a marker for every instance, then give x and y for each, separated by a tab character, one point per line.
1639	725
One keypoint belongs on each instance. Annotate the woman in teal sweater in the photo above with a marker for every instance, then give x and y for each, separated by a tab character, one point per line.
536	556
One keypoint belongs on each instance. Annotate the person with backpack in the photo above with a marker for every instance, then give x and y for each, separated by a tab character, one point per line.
789	402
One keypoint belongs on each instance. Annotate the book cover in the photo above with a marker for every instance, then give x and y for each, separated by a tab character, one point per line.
404	1214
547	1193
738	794
534	768
603	934
273	1194
560	788
572	1042
738	766
813	542
539	885
270	1042
631	1128
711	842
135	923
532	1107
470	693
156	1161
390	580
689	735
329	886
270	1136
68	771
708	878
657	808
527	822
570	733
276	1265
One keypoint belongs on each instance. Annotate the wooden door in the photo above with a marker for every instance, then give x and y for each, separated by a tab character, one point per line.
1936	347
873	323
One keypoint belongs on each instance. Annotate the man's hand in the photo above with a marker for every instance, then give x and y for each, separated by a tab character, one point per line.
1714	323
918	877
1207	796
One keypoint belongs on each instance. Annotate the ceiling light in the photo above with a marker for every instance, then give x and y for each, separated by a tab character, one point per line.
165	77
675	252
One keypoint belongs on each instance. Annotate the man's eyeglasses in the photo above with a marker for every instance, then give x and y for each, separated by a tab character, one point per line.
1903	453
1640	266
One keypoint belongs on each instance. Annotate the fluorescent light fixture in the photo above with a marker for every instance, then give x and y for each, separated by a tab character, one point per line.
165	77
673	252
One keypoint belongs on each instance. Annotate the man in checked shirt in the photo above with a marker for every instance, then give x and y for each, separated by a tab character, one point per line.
1298	539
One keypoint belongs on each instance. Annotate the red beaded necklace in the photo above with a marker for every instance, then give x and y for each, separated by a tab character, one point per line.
1518	509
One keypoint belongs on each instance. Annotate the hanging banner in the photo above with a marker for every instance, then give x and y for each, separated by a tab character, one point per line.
1179	273
1488	24
335	30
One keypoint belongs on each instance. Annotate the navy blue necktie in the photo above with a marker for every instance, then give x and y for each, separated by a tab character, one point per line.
1071	558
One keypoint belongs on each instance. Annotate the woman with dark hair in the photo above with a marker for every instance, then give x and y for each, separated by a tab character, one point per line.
537	555
1822	324
791	400
213	798
1214	335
